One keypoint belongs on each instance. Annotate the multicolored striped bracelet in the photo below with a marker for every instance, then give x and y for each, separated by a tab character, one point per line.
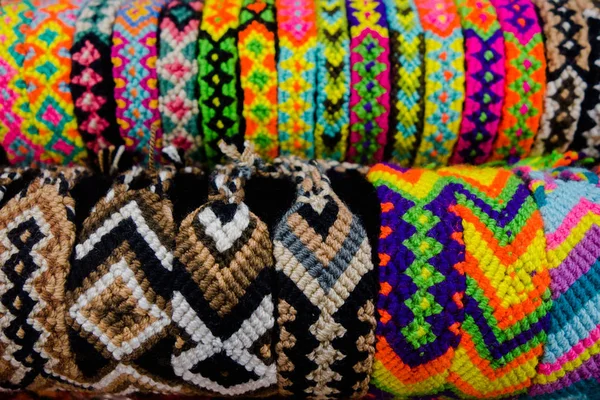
46	72
444	86
258	75
485	75
134	54
92	84
567	52
525	79
297	75
15	17
177	68
370	80
333	80
220	107
407	47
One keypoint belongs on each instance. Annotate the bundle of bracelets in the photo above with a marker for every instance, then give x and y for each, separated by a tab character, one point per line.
444	88
297	75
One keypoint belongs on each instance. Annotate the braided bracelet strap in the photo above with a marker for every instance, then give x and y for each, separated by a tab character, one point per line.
333	80
46	71
177	68
325	293
407	47
587	135
15	17
444	86
422	282
134	53
258	75
297	75
485	81
92	85
569	200
525	82
567	53
370	80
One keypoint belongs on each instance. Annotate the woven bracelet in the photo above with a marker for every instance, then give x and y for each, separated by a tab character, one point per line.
15	17
485	81
569	200
370	80
297	75
258	75
444	86
421	254
587	135
223	304
326	288
177	68
567	53
525	82
407	47
51	125
134	53
92	85
333	80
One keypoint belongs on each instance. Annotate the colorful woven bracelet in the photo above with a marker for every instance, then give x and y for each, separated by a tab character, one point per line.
421	254
134	54
444	86
177	68
485	75
258	75
567	52
223	303
370	80
525	79
15	17
407	46
218	76
507	297
333	80
325	293
46	71
587	135
297	75
92	84
569	200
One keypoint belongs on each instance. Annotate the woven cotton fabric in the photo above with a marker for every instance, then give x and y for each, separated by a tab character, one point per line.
51	124
134	53
92	85
370	80
444	87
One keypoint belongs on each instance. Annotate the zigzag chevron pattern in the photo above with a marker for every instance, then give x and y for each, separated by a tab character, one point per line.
569	201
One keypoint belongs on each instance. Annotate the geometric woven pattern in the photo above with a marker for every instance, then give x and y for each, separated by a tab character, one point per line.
370	80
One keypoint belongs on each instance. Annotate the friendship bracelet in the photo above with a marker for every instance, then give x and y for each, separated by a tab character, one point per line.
444	86
46	72
297	75
485	81
567	52
92	85
177	68
569	200
407	46
333	80
134	54
218	62
525	82
370	80
258	75
587	135
15	17
422	283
